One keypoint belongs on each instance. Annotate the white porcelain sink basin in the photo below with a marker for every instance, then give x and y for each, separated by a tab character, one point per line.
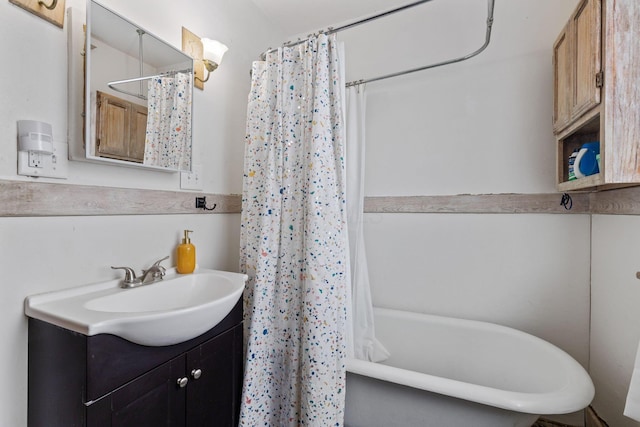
176	309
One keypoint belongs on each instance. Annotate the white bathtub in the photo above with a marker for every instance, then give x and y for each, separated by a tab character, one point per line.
446	372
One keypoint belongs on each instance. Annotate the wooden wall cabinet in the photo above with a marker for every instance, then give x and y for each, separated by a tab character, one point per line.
106	381
120	128
596	61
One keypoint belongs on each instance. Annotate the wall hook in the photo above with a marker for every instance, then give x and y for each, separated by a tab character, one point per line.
51	6
566	201
201	203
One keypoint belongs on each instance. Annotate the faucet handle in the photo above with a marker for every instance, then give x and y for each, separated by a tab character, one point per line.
161	268
157	263
129	275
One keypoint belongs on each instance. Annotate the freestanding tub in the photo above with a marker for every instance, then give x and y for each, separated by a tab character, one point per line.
446	372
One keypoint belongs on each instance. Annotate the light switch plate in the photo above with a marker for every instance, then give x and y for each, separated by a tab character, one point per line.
192	180
54	165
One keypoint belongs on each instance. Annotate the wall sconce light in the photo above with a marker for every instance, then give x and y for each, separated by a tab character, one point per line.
212	55
206	53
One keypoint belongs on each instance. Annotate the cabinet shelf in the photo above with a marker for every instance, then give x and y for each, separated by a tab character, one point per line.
591	181
586	129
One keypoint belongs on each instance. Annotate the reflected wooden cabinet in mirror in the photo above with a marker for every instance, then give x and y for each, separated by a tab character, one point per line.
120	128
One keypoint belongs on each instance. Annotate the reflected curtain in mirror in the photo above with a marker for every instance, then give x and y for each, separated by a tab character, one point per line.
168	138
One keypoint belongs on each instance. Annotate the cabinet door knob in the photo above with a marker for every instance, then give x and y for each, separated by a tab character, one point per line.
182	382
196	373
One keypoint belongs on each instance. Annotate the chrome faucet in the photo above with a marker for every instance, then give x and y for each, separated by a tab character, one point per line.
153	274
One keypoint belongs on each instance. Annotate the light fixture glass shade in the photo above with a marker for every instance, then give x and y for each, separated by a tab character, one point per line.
213	50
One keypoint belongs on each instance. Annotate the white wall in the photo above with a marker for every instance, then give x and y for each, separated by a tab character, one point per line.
479	126
42	254
615	316
515	270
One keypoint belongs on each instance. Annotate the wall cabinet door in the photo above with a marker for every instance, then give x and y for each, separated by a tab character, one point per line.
138	132
112	126
586	31
562	80
577	65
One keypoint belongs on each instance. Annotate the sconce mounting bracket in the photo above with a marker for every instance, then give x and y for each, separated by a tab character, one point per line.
54	15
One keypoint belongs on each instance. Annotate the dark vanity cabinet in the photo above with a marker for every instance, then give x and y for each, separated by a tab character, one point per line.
104	380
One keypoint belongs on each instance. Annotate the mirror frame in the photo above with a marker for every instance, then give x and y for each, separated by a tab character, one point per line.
79	105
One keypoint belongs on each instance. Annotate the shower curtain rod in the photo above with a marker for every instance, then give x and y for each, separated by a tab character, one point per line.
332	30
139	79
437	64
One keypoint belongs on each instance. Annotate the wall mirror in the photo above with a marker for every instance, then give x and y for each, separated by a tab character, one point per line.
130	93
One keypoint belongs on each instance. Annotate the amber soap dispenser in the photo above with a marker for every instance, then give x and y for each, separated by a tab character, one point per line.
186	255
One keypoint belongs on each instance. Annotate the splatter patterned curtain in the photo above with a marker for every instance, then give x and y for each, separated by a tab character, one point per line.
168	137
294	239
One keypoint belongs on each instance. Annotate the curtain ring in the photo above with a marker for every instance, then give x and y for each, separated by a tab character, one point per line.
51	6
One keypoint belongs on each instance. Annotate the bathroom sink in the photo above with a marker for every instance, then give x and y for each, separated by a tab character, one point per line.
176	309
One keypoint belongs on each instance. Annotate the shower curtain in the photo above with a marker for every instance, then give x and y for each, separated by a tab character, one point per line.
168	137
365	345
294	241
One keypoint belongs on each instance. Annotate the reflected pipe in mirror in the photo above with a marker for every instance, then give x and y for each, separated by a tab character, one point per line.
131	105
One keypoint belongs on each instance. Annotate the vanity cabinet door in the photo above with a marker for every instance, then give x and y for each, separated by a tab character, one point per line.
215	380
152	400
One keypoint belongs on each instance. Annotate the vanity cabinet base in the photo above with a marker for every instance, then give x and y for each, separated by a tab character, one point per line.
104	380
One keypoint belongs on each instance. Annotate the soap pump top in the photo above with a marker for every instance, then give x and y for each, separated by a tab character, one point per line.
186	255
